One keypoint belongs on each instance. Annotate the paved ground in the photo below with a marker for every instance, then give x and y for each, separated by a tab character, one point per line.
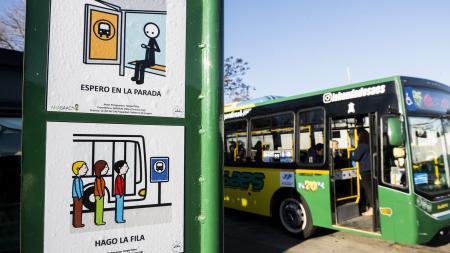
250	233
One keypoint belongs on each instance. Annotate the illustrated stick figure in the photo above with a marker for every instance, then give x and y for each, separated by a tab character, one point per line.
121	168
151	30
101	168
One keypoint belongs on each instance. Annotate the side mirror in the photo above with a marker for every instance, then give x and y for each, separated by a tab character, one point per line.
396	133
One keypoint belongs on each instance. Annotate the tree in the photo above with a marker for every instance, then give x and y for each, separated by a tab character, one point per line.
12	27
235	89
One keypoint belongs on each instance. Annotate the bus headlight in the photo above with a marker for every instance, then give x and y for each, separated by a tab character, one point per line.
424	204
142	192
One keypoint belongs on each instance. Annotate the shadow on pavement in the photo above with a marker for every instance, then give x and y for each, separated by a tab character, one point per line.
244	232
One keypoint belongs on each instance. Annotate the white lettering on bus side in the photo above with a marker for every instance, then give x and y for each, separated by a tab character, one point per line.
237	114
354	93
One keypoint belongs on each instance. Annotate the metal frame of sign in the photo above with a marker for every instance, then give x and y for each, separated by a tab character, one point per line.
204	108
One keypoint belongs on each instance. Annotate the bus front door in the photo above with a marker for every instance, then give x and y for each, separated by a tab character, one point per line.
350	191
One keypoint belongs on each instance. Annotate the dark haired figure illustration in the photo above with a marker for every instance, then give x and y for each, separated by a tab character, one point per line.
121	168
79	169
101	168
151	30
362	155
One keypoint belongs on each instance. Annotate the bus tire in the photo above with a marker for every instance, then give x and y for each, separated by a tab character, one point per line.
295	217
88	196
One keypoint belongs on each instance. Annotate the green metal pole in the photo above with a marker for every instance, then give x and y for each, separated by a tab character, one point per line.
33	156
211	217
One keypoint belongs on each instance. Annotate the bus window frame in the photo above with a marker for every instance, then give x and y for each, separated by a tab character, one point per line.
224	139
406	188
249	135
325	138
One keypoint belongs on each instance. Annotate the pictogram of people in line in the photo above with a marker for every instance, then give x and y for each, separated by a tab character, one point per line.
121	168
151	30
101	169
79	169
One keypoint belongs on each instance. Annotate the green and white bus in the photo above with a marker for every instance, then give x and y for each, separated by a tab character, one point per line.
271	168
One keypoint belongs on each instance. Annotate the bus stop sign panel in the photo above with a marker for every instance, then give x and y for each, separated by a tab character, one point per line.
159	169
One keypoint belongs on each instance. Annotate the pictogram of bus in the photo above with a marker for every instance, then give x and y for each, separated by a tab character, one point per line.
104	29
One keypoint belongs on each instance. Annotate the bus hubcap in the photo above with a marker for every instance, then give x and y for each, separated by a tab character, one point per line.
292	215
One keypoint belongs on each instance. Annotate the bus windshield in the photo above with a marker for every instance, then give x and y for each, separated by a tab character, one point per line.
430	146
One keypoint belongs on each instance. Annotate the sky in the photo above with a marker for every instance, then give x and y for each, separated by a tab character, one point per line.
7	4
298	46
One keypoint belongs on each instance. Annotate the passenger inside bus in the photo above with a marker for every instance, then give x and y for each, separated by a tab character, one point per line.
362	155
315	154
231	149
258	154
241	152
339	159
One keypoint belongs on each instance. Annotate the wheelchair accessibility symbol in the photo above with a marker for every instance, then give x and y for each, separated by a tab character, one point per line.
159	169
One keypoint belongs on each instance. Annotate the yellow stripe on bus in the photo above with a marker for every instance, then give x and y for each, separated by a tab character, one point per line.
231	107
321	172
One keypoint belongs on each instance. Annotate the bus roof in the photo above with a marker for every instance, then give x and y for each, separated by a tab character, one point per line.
248	103
257	102
241	105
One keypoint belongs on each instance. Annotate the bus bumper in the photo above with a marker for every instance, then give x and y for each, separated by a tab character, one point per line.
431	226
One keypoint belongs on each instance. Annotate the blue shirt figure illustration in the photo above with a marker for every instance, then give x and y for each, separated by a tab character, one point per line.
77	187
79	169
151	30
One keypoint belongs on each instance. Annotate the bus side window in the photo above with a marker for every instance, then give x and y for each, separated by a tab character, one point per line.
311	137
394	171
272	139
103	151
235	145
83	151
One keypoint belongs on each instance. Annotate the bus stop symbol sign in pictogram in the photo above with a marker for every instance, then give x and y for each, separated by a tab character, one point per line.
159	169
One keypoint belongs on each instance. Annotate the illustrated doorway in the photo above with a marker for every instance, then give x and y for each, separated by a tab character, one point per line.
117	36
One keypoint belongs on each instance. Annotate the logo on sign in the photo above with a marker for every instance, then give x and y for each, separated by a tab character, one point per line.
104	29
351	108
159	169
287	179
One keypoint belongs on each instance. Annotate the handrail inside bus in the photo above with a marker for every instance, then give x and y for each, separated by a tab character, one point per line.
436	172
357	197
358	193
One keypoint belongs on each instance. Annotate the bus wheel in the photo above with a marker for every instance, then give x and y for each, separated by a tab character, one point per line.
89	198
295	217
